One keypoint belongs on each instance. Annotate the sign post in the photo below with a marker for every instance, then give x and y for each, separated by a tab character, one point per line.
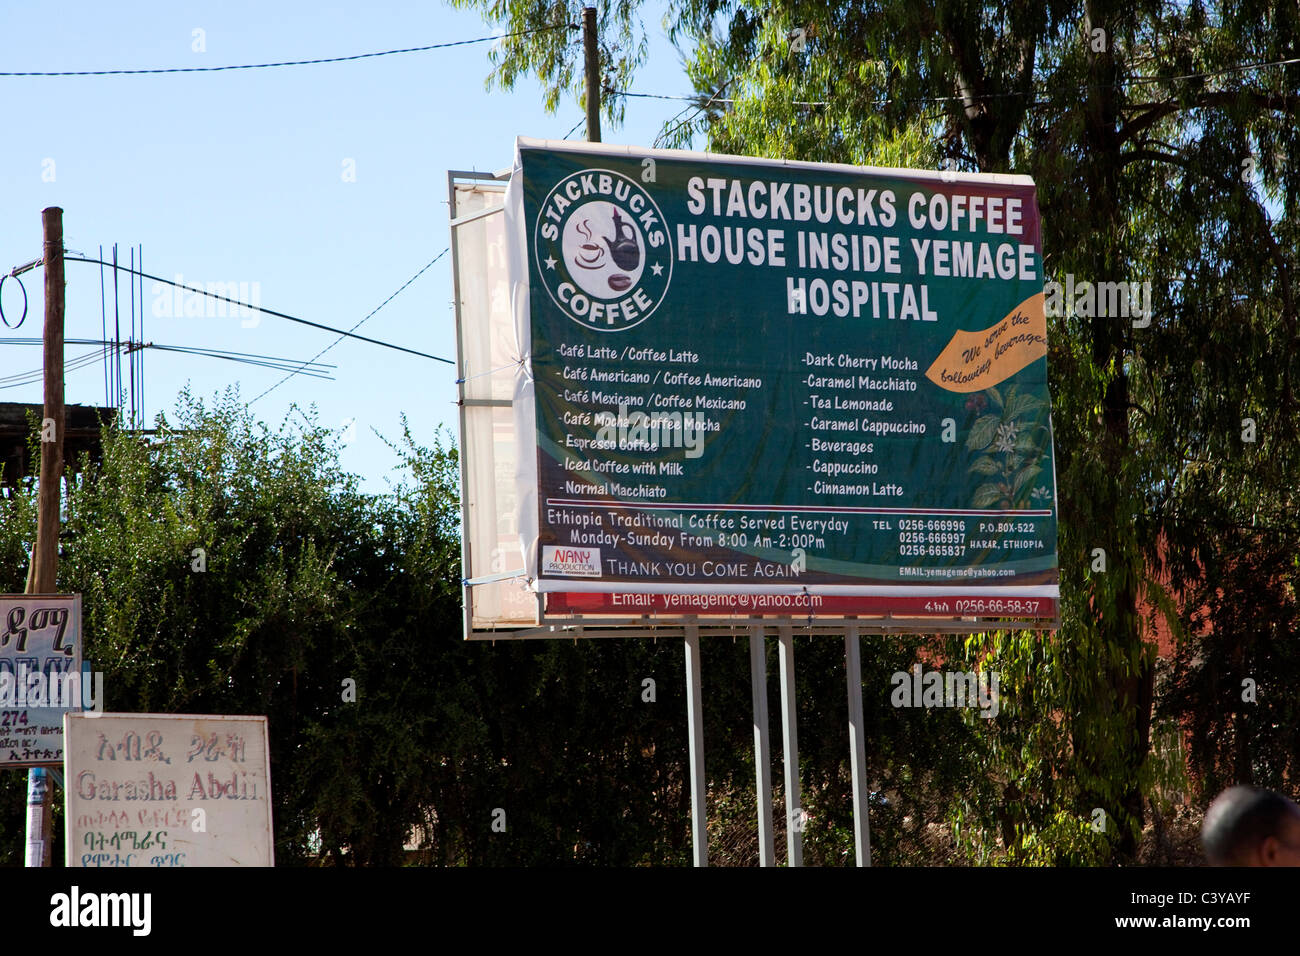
794	816
695	748
857	748
762	745
43	572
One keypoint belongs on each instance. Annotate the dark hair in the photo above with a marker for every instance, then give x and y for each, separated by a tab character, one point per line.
1239	820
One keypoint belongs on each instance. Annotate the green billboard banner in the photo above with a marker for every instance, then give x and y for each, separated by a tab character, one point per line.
762	385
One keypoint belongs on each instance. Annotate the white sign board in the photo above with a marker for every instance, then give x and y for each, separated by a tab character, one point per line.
40	675
167	790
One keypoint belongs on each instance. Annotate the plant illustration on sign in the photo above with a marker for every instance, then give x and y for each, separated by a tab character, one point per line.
1009	445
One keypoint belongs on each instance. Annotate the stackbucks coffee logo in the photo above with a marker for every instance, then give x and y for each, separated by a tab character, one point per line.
603	250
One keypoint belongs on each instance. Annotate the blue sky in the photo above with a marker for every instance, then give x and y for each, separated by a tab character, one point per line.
238	177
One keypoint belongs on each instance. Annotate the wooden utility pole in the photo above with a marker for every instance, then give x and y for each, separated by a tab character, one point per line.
592	49
45	556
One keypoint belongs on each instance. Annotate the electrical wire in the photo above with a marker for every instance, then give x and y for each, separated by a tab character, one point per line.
696	98
223	353
152	345
265	66
103	320
316	370
343	335
664	134
272	312
279	365
21	288
32	377
1241	68
1126	81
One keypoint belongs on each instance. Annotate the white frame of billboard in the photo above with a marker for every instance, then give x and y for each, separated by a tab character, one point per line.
659	624
475	444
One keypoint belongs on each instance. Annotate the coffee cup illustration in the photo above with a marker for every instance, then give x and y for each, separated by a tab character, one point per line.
604	250
589	255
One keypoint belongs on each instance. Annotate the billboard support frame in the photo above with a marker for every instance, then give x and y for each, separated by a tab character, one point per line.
762	745
794	818
454	177
566	628
695	733
857	747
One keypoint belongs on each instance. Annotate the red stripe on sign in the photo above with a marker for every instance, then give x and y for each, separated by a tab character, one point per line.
817	605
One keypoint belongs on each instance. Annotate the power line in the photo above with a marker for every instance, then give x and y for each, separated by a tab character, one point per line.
658	96
696	98
32	377
272	312
664	134
1126	81
1202	76
426	268
317	369
271	362
103	321
575	127
264	66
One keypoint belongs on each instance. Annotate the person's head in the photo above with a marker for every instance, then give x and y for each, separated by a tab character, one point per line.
1249	827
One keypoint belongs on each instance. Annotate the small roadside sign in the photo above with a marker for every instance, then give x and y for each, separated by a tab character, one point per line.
41	676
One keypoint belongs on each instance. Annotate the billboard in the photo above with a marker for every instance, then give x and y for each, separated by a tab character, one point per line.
487	357
765	387
41	676
167	790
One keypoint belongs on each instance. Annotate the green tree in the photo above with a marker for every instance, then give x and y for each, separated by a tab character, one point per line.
1163	138
226	567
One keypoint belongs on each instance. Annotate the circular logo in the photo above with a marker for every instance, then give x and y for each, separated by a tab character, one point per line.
603	250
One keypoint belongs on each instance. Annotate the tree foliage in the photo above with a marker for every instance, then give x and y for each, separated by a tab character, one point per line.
229	568
1163	138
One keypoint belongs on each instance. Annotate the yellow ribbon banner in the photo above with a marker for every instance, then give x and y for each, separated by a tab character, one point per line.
973	361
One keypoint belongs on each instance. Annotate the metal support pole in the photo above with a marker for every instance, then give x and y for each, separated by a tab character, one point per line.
39	831
762	747
695	731
794	817
857	747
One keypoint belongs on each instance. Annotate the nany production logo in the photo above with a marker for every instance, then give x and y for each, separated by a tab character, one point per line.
603	250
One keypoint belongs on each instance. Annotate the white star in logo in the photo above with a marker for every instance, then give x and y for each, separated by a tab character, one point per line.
657	269
550	262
